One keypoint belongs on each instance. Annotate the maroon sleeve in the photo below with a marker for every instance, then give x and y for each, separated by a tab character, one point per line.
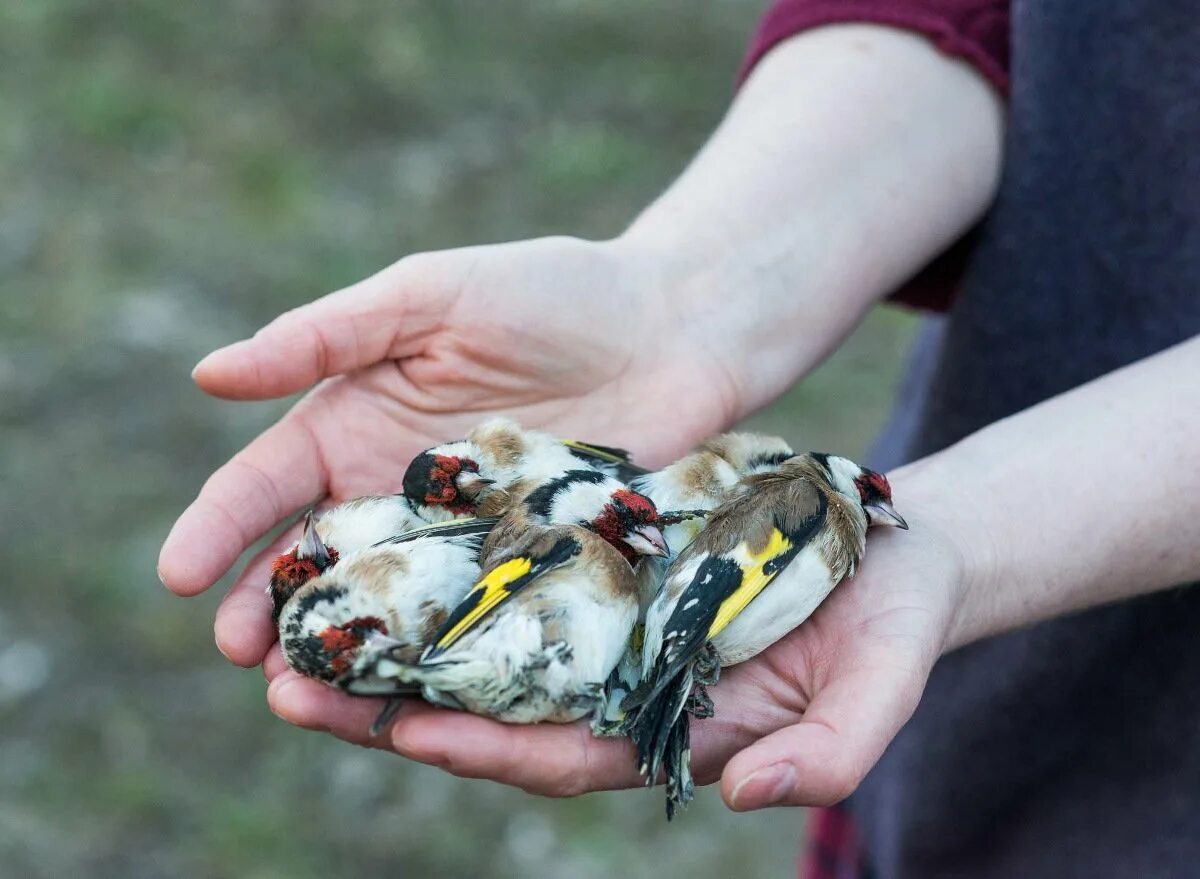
974	30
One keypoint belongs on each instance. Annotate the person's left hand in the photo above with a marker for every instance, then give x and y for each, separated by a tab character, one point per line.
800	724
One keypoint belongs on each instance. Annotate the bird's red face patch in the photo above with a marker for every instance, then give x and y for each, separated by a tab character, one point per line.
342	642
627	511
640	508
289	573
442	489
873	487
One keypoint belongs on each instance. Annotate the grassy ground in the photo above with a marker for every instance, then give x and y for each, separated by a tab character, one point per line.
175	174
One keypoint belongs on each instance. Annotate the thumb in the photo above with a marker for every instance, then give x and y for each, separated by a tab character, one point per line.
388	315
823	758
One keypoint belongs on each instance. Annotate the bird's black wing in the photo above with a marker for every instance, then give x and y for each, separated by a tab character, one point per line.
618	460
479	526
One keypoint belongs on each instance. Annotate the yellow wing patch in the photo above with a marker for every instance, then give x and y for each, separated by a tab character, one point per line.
754	581
491	590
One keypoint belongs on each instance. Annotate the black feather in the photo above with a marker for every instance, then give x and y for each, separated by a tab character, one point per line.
541	499
477	527
653	729
619	460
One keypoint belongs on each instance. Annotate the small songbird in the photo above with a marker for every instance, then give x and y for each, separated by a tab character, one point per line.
761	565
395	595
536	637
706	477
452	478
350	526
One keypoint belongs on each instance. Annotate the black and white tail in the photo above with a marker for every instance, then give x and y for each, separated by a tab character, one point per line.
659	729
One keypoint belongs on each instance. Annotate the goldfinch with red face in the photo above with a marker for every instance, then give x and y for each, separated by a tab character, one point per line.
395	595
536	637
700	481
451	479
761	565
343	529
349	527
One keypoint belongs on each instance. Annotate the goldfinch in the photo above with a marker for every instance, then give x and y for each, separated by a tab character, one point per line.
452	478
700	481
349	526
536	637
761	565
394	595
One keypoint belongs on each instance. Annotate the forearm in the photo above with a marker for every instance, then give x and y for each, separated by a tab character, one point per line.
852	156
1090	497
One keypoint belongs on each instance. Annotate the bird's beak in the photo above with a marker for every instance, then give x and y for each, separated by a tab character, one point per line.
883	513
311	546
471	485
647	540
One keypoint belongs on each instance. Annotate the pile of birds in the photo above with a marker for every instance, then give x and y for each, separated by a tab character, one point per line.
533	579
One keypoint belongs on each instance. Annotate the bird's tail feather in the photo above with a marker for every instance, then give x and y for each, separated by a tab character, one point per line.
678	763
660	735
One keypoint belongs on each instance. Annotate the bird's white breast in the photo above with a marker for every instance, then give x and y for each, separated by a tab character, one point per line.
785	603
357	525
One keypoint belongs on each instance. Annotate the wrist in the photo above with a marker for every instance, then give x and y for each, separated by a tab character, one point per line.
937	490
757	323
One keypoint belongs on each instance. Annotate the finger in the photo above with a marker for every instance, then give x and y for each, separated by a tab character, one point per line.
243	627
269	480
822	759
273	664
314	706
546	758
385	316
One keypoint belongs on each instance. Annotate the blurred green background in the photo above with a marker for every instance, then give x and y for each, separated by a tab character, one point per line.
171	177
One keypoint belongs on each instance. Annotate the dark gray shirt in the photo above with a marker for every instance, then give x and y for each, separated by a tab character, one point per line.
1071	748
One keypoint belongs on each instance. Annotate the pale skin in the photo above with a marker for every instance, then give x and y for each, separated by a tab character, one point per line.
724	292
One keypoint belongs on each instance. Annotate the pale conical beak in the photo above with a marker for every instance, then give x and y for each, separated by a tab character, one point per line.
647	540
883	513
471	485
310	546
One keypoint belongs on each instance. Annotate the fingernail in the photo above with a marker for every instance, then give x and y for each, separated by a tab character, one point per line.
217	641
768	786
200	365
213	355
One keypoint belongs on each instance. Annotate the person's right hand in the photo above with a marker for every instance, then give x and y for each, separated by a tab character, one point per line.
575	337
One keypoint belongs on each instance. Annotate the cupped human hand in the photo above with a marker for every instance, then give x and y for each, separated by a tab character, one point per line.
800	724
579	338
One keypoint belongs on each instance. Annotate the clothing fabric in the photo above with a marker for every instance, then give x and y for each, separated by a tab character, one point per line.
1070	748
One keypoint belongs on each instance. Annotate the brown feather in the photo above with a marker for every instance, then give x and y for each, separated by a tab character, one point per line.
700	475
502	442
790	496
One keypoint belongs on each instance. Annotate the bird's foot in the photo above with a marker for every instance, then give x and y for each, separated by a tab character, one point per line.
707	668
699	703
